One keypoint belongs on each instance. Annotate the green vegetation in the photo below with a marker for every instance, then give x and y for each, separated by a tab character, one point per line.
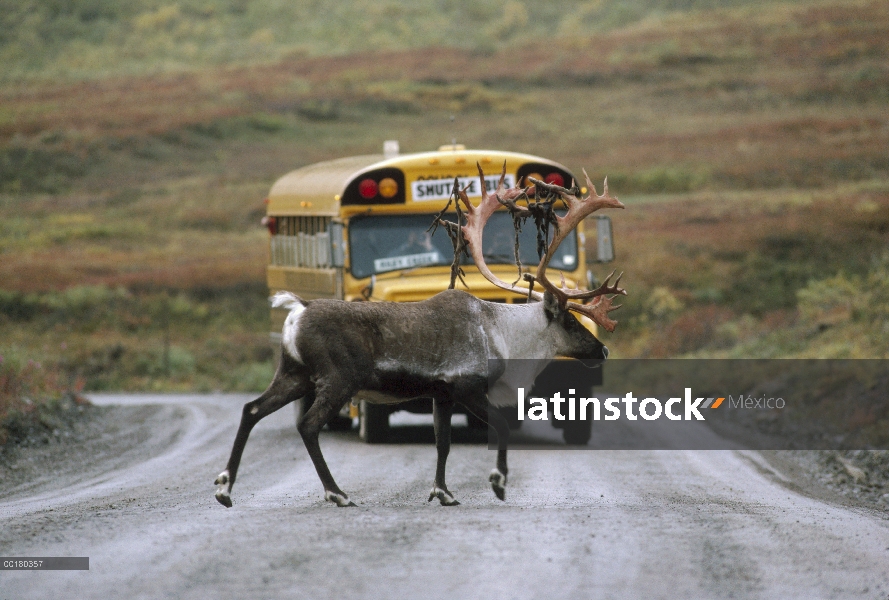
774	274
841	316
31	394
137	141
90	38
114	338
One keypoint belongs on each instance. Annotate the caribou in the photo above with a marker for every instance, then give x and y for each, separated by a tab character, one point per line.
440	348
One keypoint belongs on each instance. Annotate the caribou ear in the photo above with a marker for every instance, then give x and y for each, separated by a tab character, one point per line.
551	305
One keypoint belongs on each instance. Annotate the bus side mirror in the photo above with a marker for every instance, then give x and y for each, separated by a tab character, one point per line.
604	239
337	245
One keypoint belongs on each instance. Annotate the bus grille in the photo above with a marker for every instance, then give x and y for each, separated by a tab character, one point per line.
302	242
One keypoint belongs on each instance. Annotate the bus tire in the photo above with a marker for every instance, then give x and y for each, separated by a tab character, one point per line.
512	418
373	422
577	433
474	422
340	423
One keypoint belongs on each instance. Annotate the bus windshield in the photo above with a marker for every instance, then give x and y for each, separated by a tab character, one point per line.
382	243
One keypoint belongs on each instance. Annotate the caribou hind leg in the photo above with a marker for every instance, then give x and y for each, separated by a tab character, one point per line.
483	410
327	404
282	391
442	409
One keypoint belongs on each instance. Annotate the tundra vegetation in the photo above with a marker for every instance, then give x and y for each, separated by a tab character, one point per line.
138	140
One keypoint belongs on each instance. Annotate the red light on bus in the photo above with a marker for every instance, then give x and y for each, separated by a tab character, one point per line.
555	179
367	188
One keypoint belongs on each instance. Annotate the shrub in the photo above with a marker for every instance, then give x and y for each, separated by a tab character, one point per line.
34	169
252	377
845	299
26	390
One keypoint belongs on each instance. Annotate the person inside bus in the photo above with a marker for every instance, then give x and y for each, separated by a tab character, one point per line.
416	243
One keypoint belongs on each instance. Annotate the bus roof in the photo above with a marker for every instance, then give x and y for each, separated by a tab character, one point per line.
316	189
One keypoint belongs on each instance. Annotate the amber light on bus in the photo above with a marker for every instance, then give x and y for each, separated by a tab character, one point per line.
531	176
388	187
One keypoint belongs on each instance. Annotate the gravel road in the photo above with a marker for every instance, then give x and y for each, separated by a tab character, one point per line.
138	501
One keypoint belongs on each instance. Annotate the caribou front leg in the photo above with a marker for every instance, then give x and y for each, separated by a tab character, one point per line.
441	416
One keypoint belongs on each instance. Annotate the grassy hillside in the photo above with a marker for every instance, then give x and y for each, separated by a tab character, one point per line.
137	141
782	95
90	38
764	274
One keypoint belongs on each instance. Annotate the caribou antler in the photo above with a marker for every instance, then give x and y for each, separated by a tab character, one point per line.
477	217
542	211
578	209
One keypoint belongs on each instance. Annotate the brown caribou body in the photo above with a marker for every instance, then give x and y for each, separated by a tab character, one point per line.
440	348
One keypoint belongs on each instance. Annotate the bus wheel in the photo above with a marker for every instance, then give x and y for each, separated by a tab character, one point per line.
373	422
340	423
474	422
512	419
577	433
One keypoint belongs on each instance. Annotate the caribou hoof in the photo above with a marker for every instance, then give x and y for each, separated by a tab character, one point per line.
498	483
338	499
444	496
222	493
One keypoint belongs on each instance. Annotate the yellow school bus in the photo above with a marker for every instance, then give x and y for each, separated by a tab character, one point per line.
357	229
